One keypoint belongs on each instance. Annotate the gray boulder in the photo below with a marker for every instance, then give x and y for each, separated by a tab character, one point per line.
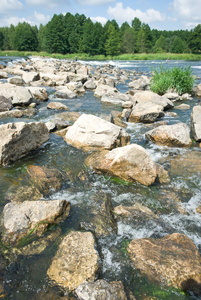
140	84
90	132
148	96
17	80
18	139
5	104
146	112
176	135
196	123
22	96
20	218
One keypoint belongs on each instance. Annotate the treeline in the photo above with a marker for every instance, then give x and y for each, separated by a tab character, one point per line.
78	34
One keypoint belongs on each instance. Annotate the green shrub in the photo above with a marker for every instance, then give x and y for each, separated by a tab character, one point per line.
180	80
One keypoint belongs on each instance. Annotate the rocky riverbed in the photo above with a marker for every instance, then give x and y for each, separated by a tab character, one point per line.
100	184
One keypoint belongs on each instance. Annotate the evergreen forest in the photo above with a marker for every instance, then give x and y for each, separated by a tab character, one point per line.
78	34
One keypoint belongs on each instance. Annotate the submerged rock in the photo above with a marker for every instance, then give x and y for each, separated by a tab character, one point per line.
21	218
172	260
18	139
130	163
76	261
90	132
102	290
176	135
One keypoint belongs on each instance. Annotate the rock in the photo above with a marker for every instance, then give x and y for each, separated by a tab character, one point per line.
127	104
196	123
176	135
39	93
104	89
21	218
163	176
115	98
183	106
31	76
18	139
76	87
117	119
69	116
102	290
17	80
75	262
18	113
93	133
45	179
198	92
130	163
186	164
148	96
172	96
3	75
172	260
137	211
22	96
90	84
102	221
186	96
198	209
64	93
146	113
57	105
140	84
5	103
22	193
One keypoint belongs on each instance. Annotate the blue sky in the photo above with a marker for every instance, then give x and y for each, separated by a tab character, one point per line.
159	14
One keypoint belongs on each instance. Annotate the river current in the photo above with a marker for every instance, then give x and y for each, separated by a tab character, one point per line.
26	277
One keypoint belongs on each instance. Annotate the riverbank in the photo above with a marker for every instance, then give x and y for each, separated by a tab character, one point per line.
84	56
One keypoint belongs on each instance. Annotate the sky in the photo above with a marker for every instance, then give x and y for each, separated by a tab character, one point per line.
158	14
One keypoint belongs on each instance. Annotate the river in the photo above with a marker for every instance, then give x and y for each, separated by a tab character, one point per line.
26	278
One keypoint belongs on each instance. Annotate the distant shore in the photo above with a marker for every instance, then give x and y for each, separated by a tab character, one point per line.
84	56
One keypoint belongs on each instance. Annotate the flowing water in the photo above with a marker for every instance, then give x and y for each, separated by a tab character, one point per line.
26	277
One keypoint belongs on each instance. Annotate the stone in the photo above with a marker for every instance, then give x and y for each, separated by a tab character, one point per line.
3	75
183	106
75	262
177	135
148	96
31	76
90	85
21	218
140	84
18	139
63	92
5	104
17	80
104	89
115	98
90	132
172	96
22	96
198	91
69	116
18	113
76	87
57	105
130	163
39	93
101	289
146	113
102	221
196	123
198	209
172	260
45	179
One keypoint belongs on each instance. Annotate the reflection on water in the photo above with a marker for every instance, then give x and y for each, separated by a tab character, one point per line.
26	277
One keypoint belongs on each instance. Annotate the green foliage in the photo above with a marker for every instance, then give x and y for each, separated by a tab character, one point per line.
178	79
112	45
25	37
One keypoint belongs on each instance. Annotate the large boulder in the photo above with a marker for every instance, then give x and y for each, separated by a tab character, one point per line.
104	89
17	80
102	290
140	84
115	98
146	113
18	113
176	135
76	87
148	96
76	261
22	96
196	123
57	105
39	93
173	260
64	93
21	218
18	139
130	163
30	76
5	103
91	132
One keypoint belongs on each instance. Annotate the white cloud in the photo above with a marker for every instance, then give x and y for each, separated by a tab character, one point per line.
7	21
39	18
47	3
121	14
94	2
189	9
10	5
101	20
